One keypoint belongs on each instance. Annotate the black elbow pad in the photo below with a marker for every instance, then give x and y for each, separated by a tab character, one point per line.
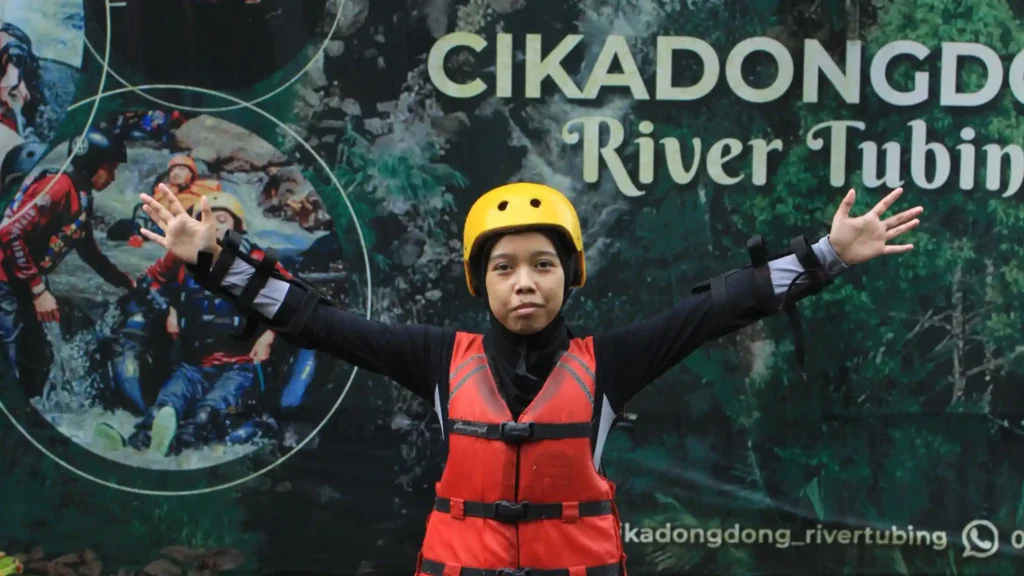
745	293
210	275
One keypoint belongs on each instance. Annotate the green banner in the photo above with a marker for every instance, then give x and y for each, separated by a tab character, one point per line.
352	137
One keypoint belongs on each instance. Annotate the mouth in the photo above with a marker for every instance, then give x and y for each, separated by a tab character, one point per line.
528	306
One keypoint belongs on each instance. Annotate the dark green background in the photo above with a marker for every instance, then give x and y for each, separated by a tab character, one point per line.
877	438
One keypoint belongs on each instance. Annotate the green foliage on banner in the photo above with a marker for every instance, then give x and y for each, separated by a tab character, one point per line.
948	319
46	505
370	175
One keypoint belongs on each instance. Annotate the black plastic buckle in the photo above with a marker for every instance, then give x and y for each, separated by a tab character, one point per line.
516	432
514	572
758	251
510	512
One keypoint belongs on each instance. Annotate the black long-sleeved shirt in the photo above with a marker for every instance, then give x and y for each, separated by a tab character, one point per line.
418	357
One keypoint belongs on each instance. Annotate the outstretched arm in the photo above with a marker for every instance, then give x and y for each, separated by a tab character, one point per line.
410	354
416	357
632	357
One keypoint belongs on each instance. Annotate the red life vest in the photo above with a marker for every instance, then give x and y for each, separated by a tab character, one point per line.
520	498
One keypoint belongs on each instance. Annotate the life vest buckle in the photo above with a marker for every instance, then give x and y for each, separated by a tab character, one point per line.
514	572
516	432
510	512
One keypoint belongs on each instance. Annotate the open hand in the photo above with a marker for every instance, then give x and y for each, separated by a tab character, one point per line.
184	236
860	239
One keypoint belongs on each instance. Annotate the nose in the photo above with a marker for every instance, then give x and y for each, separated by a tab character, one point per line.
525	282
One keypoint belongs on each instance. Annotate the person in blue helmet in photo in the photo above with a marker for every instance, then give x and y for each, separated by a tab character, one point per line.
526	405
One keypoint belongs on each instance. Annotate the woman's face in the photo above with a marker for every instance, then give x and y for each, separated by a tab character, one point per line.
525	282
222	222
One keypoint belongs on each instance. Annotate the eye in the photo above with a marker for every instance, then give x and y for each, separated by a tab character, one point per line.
546	264
502	267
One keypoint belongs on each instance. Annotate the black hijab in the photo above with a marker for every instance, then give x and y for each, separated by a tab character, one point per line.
521	364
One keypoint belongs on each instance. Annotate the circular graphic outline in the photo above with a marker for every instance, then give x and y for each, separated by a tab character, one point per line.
276	91
355	369
98	97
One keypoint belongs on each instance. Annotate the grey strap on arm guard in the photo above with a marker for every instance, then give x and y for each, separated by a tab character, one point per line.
801	248
210	275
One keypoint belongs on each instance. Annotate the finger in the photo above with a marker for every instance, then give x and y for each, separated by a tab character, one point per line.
846	204
889	235
156	209
902	217
886	202
154	237
898	249
175	206
155	217
204	209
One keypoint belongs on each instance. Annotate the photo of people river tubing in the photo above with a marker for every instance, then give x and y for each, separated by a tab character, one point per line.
110	338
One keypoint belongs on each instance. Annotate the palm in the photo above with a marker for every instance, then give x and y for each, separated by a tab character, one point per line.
860	239
184	236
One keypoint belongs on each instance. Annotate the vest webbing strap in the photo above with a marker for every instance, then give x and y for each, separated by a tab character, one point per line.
512	512
434	568
519	432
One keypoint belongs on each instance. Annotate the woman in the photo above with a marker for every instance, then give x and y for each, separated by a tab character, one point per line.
525	408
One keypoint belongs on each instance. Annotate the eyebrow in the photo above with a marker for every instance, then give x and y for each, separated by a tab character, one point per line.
537	253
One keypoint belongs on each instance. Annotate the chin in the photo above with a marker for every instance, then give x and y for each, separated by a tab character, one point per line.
525	328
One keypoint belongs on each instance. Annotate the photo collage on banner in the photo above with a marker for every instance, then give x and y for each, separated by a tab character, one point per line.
109	338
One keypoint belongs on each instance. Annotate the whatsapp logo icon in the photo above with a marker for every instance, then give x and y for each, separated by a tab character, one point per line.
980	538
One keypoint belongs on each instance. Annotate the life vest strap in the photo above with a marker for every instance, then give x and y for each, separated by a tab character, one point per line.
434	568
519	432
512	512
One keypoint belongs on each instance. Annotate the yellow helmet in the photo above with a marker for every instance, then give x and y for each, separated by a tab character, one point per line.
520	206
228	202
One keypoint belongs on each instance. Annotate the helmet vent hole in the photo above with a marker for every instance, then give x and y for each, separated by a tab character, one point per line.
535	203
503	205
